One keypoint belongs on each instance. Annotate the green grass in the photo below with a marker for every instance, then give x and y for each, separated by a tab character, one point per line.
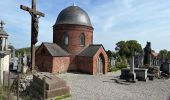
114	69
62	97
3	91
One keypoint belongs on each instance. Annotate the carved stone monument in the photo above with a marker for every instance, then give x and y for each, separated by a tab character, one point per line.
165	68
24	63
54	86
4	52
147	54
132	74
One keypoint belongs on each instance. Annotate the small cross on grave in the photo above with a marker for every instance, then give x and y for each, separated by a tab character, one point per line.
2	24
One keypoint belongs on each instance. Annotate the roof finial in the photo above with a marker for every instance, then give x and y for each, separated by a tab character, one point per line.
2	23
74	4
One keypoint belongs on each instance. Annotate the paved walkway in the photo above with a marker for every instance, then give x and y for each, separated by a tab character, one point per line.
89	87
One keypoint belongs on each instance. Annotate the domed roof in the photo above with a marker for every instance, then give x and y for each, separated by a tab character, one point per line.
73	15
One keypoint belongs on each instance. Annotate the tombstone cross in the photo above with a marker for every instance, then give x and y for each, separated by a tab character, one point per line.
34	28
2	24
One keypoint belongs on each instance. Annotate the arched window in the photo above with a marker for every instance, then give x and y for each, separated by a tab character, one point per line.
65	38
82	39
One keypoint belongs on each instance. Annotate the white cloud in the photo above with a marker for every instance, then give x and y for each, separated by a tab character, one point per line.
113	20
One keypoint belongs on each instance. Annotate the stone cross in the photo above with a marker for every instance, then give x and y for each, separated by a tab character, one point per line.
2	24
132	74
132	64
34	28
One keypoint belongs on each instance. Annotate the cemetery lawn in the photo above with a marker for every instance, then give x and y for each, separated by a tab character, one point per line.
104	87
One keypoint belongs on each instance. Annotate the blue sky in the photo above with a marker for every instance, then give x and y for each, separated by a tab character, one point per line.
113	21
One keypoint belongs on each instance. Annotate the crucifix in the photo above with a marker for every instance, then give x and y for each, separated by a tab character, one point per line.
35	15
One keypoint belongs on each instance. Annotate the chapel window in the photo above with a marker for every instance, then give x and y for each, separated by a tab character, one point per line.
82	39
65	38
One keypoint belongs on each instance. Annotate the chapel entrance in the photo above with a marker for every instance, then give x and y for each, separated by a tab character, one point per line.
100	64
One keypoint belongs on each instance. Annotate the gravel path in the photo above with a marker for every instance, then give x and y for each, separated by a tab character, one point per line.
103	87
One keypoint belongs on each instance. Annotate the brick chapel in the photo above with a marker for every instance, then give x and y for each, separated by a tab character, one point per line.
72	48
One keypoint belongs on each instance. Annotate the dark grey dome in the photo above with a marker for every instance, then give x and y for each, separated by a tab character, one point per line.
73	15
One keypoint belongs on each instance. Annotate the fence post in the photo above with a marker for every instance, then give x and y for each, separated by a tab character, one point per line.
8	84
3	84
44	88
18	82
3	79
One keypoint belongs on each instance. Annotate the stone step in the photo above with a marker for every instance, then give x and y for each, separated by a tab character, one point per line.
58	92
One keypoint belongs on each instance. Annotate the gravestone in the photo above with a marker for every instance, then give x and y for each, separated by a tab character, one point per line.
165	68
24	63
54	85
138	60
112	61
19	66
141	73
13	63
132	74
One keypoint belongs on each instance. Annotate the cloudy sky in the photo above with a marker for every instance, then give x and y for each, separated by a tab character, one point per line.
113	21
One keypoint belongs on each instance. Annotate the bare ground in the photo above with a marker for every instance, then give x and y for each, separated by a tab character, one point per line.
104	87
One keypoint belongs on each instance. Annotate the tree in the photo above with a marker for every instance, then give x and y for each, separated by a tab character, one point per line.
109	53
164	54
168	55
122	48
134	46
127	48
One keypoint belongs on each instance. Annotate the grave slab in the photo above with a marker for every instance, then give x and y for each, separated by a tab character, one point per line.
54	85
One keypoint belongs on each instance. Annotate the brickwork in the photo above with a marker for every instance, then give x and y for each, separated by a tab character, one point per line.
73	62
89	64
101	52
44	63
52	64
47	63
60	64
85	64
74	32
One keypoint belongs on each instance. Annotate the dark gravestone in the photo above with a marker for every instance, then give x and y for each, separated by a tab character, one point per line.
54	85
165	68
147	54
141	73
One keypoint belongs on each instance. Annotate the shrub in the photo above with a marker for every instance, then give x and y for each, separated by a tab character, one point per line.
114	69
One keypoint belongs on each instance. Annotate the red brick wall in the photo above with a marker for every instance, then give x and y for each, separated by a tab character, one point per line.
85	64
60	64
105	57
73	63
47	63
52	64
74	32
44	63
89	65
